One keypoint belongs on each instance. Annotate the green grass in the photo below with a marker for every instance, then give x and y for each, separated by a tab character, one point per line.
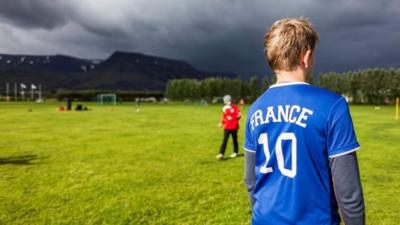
112	165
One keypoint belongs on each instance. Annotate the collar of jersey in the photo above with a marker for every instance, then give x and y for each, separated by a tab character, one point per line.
288	84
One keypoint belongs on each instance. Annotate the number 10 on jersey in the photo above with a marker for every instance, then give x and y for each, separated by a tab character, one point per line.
263	140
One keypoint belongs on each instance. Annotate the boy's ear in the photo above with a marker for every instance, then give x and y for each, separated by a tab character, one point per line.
306	60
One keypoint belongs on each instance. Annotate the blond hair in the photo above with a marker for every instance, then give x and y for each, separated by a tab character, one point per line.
287	40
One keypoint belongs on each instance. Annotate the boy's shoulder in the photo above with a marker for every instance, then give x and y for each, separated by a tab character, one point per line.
322	96
286	93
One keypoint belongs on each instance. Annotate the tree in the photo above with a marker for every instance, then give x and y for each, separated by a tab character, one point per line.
265	83
254	88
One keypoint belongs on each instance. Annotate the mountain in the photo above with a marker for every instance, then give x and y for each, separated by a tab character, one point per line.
121	71
49	71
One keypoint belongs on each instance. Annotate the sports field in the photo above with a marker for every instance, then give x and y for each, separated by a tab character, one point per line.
112	165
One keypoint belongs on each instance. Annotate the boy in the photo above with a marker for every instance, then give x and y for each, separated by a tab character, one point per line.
230	122
300	143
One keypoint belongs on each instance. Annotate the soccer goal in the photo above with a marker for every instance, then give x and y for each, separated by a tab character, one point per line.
107	99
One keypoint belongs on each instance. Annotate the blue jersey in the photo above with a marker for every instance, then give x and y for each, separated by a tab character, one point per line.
294	128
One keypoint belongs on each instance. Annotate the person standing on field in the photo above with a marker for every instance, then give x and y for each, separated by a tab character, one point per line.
230	122
300	145
137	101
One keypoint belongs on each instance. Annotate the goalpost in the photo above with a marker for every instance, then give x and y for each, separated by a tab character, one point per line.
107	98
396	116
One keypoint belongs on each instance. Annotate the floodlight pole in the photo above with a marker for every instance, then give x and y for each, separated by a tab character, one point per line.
8	91
397	109
40	91
15	92
23	94
31	93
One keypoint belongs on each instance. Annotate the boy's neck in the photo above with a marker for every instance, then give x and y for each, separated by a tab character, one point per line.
297	75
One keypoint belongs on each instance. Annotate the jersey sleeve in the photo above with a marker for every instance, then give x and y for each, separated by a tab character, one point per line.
341	138
249	144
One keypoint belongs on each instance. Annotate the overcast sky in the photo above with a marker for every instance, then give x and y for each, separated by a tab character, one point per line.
216	35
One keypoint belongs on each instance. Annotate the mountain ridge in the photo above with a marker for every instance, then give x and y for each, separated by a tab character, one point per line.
127	71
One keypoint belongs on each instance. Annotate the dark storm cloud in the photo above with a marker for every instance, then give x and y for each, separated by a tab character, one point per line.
219	35
34	13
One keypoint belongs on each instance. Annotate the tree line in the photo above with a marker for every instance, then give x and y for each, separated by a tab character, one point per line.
209	88
370	86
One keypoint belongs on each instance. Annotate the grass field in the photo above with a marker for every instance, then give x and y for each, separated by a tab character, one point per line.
112	165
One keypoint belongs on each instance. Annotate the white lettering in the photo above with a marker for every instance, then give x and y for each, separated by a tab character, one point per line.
288	113
291	118
270	114
283	113
258	118
303	117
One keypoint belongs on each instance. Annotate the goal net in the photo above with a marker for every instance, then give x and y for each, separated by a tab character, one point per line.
107	99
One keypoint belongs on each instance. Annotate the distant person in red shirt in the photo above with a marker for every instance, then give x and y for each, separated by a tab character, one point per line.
230	123
241	103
